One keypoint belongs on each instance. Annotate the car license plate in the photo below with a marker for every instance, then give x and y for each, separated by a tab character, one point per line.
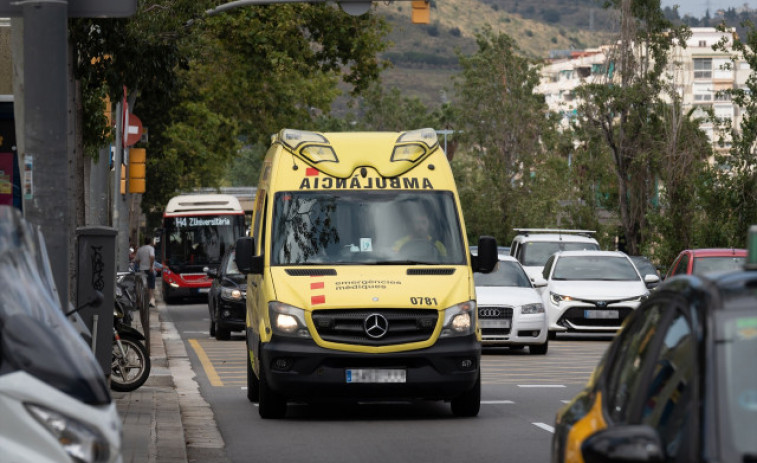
494	323
371	375
603	314
203	290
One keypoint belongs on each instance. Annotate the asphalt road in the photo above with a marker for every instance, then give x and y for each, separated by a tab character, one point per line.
520	395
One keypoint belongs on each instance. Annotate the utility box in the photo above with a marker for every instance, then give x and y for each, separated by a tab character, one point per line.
96	272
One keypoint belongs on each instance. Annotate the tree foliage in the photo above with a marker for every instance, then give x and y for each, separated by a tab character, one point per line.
506	176
203	83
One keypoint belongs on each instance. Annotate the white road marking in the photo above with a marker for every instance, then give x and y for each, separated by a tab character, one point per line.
206	332
545	427
565	401
496	402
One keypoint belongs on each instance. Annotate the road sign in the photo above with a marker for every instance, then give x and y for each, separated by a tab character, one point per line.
80	8
132	130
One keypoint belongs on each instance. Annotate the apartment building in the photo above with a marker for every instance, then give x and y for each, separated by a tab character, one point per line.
697	72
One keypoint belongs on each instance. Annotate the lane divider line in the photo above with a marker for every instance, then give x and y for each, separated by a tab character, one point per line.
207	365
545	427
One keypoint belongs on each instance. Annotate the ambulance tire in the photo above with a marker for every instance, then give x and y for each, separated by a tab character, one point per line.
272	405
468	404
253	385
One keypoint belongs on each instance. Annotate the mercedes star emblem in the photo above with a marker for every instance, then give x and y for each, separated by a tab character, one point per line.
376	326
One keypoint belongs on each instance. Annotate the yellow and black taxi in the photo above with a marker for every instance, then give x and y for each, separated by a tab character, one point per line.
678	383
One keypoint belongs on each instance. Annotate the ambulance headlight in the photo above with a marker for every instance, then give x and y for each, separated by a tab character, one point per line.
81	441
459	320
287	320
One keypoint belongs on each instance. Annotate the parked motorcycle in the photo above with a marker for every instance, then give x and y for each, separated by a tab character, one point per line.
130	365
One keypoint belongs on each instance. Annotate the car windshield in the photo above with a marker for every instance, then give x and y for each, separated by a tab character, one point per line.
231	266
606	268
737	344
366	227
505	274
536	253
645	267
703	265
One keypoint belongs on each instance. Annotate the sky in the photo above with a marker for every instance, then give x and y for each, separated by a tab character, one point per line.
697	8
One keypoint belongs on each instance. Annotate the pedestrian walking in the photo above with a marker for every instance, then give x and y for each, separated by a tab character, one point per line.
145	260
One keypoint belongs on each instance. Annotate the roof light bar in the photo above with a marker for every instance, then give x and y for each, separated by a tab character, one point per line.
413	145
313	146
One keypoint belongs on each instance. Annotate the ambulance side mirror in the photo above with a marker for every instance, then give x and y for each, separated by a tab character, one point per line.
247	262
487	255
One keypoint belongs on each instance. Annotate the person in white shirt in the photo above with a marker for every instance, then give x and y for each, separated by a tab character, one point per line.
145	260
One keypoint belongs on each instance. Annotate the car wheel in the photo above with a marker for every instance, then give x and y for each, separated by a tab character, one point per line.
222	334
539	349
212	326
253	385
272	405
468	403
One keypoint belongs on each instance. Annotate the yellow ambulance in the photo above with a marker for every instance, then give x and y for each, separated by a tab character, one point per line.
360	279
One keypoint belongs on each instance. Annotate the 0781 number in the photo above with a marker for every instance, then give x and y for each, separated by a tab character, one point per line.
423	301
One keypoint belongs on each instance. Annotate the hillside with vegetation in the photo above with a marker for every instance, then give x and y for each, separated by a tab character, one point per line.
425	57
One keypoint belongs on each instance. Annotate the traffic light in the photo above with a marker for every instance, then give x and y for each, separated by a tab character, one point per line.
137	170
421	12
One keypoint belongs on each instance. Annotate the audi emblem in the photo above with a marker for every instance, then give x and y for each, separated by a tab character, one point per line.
489	313
376	326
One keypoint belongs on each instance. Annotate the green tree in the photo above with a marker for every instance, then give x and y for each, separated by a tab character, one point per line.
732	192
505	133
625	110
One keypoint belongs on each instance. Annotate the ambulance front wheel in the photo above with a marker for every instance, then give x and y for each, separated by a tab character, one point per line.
468	403
272	405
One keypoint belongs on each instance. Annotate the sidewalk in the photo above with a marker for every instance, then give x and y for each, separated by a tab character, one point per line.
167	420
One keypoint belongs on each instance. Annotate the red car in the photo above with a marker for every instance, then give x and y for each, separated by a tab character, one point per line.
701	261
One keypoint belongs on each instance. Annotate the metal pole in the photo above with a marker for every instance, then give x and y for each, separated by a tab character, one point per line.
46	124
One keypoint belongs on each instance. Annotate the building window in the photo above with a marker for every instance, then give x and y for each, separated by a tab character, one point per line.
703	97
702	43
702	68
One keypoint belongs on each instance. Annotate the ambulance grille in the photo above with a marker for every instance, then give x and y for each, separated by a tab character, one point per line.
348	326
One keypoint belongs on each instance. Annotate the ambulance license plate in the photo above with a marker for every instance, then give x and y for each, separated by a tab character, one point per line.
375	375
603	314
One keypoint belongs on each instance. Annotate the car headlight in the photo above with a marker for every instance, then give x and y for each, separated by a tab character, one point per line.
460	319
558	298
231	294
529	309
287	320
82	442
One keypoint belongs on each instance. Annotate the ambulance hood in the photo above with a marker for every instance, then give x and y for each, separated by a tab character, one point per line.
366	287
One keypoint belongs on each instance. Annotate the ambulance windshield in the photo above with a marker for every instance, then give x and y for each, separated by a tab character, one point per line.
366	227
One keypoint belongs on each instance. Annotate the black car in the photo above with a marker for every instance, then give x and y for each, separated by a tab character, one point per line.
227	298
678	383
646	267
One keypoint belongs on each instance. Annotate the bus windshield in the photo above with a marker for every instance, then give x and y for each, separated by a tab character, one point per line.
366	227
199	240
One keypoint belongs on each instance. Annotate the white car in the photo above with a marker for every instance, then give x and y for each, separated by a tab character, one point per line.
533	246
510	310
591	290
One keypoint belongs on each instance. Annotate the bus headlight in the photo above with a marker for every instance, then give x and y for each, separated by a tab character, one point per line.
287	320
459	320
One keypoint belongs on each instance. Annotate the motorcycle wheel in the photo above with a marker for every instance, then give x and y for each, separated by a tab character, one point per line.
131	371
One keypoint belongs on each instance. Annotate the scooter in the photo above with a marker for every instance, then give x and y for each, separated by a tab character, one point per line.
130	365
54	399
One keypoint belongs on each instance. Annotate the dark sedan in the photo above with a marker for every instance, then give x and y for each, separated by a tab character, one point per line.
678	383
227	298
